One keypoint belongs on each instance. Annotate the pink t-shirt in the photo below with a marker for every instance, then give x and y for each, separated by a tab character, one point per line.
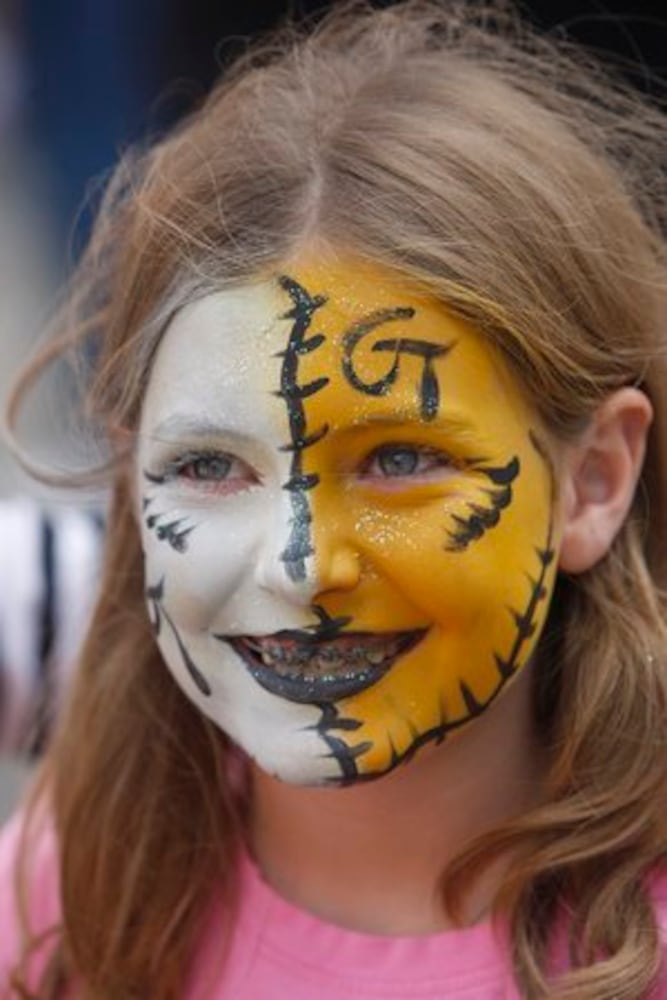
279	952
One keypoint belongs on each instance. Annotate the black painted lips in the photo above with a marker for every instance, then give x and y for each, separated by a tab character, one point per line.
303	676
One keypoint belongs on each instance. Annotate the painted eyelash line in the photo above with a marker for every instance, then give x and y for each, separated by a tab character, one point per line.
166	528
482	517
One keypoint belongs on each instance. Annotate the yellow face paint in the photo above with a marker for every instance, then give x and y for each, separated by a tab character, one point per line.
423	493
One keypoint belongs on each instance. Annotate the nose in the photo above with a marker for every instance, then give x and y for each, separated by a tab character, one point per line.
304	567
336	567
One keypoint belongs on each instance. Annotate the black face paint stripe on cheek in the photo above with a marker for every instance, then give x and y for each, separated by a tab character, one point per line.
157	612
154	594
429	388
299	544
482	518
174	532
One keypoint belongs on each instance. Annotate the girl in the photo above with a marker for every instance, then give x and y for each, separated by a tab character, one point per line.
374	699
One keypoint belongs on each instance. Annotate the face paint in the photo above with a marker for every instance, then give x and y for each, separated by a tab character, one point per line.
348	519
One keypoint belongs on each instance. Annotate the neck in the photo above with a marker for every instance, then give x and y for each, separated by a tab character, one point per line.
370	857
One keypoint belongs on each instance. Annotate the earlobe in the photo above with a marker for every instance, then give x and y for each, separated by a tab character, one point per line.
599	477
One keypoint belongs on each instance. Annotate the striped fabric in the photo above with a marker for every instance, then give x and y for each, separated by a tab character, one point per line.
49	562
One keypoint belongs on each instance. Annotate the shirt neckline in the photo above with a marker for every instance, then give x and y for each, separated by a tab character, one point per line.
453	956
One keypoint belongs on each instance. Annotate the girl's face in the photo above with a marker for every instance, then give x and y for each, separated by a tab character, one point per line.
348	519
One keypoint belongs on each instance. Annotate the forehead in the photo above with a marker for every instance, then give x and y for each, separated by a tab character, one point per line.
223	352
213	341
212	362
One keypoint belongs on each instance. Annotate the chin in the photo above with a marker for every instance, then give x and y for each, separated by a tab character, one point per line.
300	770
307	772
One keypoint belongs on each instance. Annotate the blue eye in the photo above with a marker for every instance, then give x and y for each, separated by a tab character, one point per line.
406	461
209	468
215	471
398	461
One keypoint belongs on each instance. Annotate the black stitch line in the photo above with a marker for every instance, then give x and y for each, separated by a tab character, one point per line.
328	627
525	620
344	755
307	441
301	482
325	628
299	545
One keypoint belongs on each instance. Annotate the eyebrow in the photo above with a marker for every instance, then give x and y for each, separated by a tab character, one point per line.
191	426
454	423
181	425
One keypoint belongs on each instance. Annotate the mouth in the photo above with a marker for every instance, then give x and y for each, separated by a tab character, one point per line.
312	670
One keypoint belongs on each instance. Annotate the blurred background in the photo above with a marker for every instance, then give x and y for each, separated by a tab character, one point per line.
80	80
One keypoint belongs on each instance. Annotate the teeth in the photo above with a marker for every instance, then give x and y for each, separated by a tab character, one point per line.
317	667
321	661
337	657
274	651
298	662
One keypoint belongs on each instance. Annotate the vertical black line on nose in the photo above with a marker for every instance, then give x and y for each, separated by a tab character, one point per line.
298	485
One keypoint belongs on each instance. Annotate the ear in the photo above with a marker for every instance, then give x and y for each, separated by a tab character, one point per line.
599	476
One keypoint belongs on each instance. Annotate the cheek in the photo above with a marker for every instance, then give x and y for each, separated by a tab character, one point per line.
200	580
454	590
408	550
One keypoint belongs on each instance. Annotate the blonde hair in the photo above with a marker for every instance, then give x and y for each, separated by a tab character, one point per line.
523	186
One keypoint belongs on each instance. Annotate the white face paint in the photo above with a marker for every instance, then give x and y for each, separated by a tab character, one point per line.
214	527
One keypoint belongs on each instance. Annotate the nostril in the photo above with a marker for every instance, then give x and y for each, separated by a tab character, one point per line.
291	580
298	572
339	571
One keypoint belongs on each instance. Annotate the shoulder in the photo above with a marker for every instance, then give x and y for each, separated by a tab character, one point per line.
41	890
